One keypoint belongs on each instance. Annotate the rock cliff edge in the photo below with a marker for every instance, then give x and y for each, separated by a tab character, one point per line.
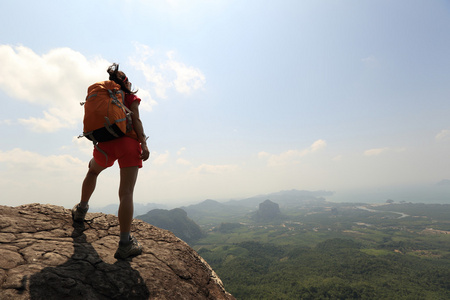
44	255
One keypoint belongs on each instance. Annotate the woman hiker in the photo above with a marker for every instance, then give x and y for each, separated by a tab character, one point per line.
129	150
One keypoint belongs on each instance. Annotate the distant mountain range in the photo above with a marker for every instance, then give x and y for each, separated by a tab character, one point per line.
286	199
183	222
212	211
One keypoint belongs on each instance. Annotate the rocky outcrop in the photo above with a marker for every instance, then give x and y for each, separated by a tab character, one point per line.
268	211
44	255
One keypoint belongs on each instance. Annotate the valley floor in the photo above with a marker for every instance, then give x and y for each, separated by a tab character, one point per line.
337	251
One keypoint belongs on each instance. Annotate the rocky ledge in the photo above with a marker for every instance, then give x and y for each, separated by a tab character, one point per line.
44	255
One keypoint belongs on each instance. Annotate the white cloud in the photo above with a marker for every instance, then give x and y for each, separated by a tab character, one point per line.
80	145
184	162
6	122
159	84
164	72
148	103
182	149
18	161
291	156
187	78
317	145
263	154
288	157
56	81
214	169
375	151
378	151
160	158
443	135
27	177
52	121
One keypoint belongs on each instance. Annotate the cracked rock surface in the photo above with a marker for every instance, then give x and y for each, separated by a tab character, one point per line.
45	255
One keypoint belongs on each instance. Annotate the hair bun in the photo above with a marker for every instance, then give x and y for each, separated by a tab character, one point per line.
112	70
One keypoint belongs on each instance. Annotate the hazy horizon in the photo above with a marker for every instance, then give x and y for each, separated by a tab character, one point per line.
415	195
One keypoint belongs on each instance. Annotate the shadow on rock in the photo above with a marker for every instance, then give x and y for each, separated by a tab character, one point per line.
86	276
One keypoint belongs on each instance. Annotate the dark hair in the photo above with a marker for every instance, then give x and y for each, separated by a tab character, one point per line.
120	78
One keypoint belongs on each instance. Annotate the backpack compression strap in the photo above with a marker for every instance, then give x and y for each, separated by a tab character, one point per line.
125	110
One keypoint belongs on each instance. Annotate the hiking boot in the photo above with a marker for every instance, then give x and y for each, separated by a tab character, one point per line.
78	213
130	249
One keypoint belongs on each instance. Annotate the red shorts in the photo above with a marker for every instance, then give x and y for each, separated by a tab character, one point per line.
125	149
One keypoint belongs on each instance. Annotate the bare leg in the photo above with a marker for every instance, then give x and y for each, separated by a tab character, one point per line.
128	177
90	180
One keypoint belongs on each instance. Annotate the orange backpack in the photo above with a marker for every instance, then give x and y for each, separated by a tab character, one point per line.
105	115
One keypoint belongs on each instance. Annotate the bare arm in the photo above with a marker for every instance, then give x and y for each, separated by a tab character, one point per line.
139	128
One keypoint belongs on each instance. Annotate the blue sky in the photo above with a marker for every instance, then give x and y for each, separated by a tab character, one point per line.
239	97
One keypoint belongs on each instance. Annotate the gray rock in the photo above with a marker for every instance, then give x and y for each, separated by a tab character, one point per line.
44	255
268	211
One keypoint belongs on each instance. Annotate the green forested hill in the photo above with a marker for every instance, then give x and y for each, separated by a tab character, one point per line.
175	220
336	252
